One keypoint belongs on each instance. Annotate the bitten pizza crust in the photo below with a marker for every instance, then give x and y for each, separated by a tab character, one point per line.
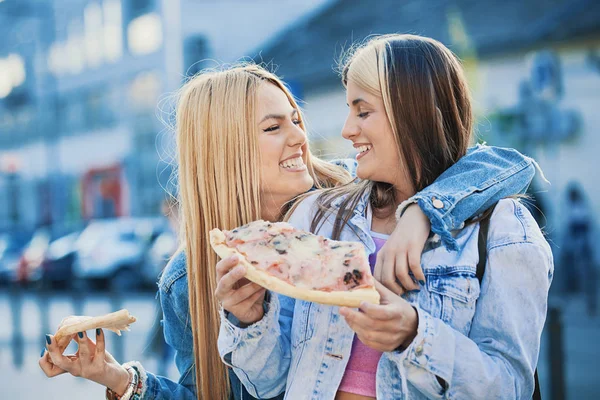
116	322
299	264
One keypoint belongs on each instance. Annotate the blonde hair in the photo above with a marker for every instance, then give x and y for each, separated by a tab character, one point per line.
427	102
217	142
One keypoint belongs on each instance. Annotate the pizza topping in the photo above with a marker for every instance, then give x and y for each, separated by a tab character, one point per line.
301	258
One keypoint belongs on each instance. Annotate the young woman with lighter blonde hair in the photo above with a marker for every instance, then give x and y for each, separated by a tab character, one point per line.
243	155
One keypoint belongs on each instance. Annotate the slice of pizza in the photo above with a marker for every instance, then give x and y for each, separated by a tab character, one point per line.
300	264
117	321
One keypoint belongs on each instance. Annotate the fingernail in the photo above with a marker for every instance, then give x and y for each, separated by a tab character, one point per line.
422	282
43	351
80	334
48	339
97	331
416	290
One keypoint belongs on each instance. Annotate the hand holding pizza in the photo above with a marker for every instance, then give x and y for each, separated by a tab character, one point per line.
402	252
91	361
386	326
239	296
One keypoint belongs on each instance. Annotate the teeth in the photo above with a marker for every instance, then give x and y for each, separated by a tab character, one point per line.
362	149
293	163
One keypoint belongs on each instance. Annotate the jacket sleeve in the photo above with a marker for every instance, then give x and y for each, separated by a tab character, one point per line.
178	334
260	353
485	175
498	358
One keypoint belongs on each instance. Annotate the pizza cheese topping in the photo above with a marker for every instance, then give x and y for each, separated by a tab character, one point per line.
300	258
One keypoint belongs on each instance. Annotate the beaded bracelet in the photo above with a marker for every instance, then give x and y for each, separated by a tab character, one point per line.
134	388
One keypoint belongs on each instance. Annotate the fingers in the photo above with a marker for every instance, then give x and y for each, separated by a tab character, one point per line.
225	265
379	264
84	348
388	277
258	296
368	328
227	282
242	295
57	358
48	367
414	263
402	273
100	343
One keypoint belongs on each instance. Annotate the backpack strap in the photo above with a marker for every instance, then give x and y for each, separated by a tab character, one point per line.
484	227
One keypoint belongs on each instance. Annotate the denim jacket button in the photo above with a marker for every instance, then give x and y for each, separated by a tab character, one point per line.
437	203
419	350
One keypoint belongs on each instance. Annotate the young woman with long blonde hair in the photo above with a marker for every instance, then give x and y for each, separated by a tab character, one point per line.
458	337
243	155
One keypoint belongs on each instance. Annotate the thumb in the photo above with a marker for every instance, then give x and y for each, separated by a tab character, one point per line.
386	294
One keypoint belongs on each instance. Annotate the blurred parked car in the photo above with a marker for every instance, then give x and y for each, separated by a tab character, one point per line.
57	264
159	254
11	247
29	271
112	252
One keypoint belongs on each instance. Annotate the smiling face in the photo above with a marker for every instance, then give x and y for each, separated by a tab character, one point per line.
370	131
283	148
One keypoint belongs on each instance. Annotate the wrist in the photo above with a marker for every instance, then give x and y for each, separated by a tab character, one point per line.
121	381
413	325
405	205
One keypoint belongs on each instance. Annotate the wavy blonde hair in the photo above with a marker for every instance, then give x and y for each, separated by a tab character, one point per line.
219	178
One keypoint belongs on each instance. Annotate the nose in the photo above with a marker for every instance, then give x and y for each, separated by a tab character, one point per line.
350	129
297	137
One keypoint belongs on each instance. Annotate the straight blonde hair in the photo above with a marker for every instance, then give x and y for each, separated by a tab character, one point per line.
219	178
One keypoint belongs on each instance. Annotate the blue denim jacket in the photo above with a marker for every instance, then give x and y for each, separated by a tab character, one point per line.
481	341
465	189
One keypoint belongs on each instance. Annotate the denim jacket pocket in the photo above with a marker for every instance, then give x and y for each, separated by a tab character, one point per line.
303	323
454	291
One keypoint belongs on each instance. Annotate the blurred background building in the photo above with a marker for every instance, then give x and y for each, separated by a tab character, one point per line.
87	89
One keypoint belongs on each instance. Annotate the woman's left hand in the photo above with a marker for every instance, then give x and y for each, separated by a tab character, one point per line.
386	326
402	252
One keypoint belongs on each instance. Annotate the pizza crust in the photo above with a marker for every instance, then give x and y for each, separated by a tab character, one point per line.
351	298
116	322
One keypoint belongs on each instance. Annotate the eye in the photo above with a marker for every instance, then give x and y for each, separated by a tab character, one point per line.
363	115
271	128
297	122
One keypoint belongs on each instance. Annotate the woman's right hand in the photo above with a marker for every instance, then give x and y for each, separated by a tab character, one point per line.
239	296
91	362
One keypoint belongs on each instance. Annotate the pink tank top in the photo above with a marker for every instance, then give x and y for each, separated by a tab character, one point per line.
359	377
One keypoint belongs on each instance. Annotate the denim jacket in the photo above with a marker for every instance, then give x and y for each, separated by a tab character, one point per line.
465	189
472	342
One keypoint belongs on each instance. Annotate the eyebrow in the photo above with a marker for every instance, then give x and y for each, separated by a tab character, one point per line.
356	101
277	116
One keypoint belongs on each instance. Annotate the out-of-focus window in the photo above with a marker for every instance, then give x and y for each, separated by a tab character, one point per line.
144	91
12	74
92	21
94	38
113	22
75	48
144	34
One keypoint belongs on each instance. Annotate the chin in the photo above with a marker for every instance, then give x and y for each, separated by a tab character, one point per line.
363	173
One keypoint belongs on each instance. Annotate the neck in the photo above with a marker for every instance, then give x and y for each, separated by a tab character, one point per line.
271	209
402	193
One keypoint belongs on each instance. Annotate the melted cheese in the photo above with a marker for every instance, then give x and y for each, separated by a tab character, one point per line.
305	260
